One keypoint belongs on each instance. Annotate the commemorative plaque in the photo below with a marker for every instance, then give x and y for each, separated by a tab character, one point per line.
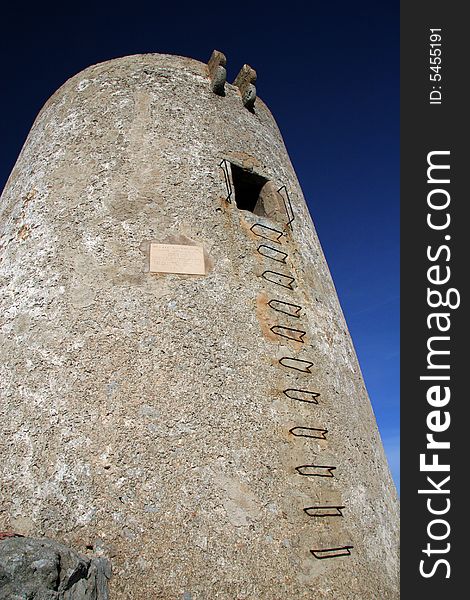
174	258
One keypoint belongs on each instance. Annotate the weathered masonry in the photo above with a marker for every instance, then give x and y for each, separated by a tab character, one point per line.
180	394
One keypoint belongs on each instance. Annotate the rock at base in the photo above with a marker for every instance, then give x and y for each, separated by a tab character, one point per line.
42	569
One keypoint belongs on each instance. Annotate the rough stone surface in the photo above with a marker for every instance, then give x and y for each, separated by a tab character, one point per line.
32	569
144	415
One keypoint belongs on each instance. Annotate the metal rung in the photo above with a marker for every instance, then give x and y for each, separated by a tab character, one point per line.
302	365
287	206
293	310
224	166
302	395
332	552
273	253
281	279
268	233
324	511
315	471
295	335
307	432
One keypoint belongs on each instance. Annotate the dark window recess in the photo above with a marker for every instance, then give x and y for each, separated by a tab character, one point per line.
248	186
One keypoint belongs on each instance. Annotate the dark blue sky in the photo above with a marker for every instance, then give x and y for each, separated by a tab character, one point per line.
329	71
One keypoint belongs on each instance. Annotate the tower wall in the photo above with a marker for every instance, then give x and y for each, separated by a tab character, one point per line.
154	418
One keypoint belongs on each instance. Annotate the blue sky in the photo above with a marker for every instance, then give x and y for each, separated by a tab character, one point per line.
330	74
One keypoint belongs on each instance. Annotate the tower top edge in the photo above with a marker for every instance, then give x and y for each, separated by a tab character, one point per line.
124	66
132	61
150	58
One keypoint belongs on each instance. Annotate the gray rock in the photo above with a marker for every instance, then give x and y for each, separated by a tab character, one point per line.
43	569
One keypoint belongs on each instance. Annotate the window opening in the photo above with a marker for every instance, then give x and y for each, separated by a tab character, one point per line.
248	186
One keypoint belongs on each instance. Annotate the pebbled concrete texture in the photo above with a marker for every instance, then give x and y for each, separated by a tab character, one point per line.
143	416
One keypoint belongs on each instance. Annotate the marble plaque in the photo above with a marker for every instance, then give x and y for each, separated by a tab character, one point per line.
173	258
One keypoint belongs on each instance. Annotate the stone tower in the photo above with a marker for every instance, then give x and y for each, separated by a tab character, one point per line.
180	393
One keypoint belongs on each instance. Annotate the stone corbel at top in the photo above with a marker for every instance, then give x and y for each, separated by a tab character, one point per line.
245	83
217	72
